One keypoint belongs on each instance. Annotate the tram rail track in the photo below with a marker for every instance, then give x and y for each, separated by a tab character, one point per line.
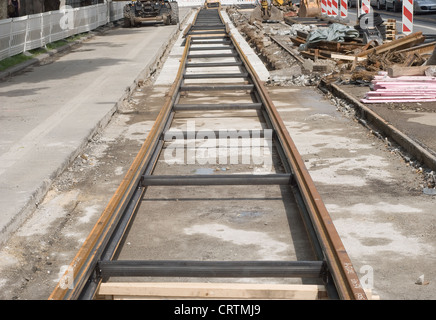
96	261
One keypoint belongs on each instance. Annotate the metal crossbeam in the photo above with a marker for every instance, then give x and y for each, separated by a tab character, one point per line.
223	41
217	87
217	180
210	48
205	32
215	75
213	64
209	27
187	268
209	107
213	55
219	134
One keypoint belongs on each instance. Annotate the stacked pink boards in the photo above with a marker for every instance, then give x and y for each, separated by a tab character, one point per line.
401	89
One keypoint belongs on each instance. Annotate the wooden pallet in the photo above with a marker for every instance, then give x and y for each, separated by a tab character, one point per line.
391	29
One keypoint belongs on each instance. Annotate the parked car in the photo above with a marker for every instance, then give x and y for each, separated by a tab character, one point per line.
379	4
423	6
352	3
395	5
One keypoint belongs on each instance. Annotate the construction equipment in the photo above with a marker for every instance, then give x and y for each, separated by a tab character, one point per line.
267	11
212	4
309	8
281	3
371	28
136	12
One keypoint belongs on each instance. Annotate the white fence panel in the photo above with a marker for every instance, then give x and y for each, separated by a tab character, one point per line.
103	15
18	35
5	37
33	31
45	28
116	10
59	26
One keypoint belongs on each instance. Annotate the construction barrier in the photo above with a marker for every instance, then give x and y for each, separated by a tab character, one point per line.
323	6
344	9
329	7
366	6
334	8
25	33
407	16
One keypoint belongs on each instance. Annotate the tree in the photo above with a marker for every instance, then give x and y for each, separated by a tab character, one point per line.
3	9
51	5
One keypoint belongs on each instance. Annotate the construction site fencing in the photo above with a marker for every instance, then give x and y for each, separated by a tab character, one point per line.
25	33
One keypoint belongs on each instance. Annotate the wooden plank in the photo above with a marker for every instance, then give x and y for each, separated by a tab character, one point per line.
421	49
399	93
400	97
406	79
335	46
397	101
397	71
346	57
185	290
297	40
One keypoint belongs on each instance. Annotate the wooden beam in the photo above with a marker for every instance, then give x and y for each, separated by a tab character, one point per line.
421	49
397	71
346	57
401	43
188	290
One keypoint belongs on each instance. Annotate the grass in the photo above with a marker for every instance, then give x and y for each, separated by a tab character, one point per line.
12	61
20	58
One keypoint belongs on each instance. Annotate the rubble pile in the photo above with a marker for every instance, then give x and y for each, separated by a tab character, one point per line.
374	63
304	51
284	68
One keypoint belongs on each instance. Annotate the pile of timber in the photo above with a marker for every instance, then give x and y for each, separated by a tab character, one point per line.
328	49
411	49
393	87
400	70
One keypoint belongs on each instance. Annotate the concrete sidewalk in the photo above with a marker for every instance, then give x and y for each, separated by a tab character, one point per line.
49	112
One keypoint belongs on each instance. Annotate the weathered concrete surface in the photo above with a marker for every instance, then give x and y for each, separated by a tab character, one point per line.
48	113
375	198
416	120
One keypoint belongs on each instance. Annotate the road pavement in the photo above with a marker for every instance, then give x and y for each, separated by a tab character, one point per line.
49	112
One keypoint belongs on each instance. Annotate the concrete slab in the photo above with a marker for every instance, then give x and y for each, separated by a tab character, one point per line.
375	199
255	61
49	112
169	70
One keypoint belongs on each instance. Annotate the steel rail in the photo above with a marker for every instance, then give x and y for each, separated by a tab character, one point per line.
339	263
95	261
85	261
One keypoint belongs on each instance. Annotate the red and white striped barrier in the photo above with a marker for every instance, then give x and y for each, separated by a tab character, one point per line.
323	6
329	7
366	6
407	16
335	6
344	9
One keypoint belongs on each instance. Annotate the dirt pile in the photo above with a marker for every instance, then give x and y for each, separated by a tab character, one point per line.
284	68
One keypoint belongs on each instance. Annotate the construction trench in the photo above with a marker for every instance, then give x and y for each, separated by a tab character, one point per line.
373	194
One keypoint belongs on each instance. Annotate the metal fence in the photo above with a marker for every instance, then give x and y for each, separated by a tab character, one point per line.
25	33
